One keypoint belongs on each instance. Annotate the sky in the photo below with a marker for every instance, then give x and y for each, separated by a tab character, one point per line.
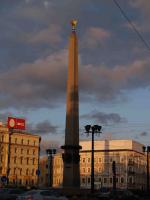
114	71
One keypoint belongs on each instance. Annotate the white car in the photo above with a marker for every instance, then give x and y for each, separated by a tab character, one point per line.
41	195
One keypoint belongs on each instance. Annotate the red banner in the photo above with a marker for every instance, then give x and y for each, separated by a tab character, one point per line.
16	123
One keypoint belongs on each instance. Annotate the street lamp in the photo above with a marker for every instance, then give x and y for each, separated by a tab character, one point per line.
92	129
50	153
147	149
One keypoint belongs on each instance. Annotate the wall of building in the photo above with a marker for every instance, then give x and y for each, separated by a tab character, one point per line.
24	157
130	164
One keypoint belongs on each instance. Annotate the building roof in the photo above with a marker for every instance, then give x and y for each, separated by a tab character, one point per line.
113	145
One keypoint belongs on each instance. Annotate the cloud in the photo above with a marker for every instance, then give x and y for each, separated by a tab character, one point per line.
144	5
108	84
144	134
41	83
49	35
42	128
103	118
95	36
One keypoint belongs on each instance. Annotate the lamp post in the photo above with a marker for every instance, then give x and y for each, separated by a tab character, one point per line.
50	153
147	149
92	129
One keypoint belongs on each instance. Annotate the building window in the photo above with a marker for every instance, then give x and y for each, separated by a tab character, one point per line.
89	160
15	150
111	180
83	170
130	180
83	160
105	180
122	180
14	160
27	161
32	172
117	180
20	171
15	140
21	151
14	171
88	170
27	171
20	181
34	143
21	159
27	151
83	180
33	152
32	182
89	180
100	160
21	141
28	142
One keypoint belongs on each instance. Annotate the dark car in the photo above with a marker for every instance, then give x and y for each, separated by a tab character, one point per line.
123	195
10	194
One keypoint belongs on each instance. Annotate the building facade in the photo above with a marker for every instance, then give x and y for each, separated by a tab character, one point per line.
130	162
19	157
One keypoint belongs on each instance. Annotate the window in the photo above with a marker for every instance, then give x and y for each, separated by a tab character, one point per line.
32	172
14	171
83	170
89	180
27	161
111	180
21	151
83	180
15	150
105	180
100	169
33	152
28	141
27	171
15	140
83	160
20	171
21	141
122	180
27	151
14	160
21	159
100	160
88	170
34	143
89	160
117	181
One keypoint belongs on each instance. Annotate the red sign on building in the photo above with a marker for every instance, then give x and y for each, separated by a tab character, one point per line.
16	123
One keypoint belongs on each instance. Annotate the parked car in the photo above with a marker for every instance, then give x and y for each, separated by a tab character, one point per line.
10	194
41	195
123	195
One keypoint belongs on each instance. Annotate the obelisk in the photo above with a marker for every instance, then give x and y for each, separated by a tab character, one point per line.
71	158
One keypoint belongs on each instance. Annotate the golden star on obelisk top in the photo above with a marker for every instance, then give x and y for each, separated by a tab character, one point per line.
74	24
